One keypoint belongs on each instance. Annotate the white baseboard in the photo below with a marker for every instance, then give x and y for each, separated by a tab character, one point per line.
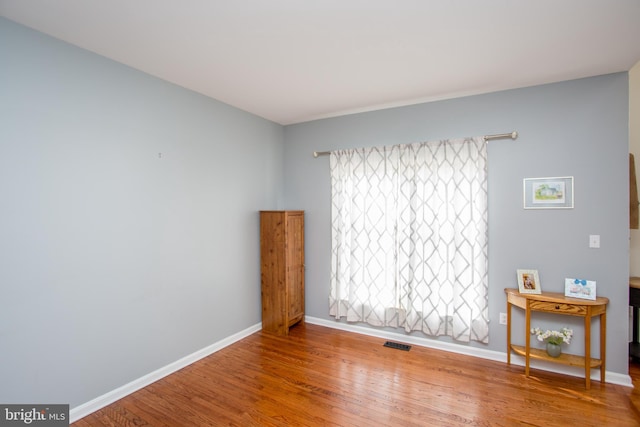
610	377
100	402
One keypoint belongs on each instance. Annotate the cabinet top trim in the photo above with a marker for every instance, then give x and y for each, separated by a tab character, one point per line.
285	211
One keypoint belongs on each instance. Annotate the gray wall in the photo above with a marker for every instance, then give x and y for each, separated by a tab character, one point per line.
115	260
577	128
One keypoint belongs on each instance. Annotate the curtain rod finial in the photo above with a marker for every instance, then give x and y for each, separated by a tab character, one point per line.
514	134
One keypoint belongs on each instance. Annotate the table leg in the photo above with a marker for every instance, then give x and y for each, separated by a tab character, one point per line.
587	349
508	332
603	345
527	334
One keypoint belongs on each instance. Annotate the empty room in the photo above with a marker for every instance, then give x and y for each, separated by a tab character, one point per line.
351	213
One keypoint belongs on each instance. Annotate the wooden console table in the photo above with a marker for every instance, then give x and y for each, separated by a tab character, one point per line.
553	302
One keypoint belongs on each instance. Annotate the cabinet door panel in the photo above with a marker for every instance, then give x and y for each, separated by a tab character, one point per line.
273	265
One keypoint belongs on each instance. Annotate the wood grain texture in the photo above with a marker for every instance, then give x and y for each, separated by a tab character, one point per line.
281	269
634	215
319	376
556	303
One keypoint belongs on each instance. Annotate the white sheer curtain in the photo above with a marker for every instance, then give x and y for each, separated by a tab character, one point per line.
409	237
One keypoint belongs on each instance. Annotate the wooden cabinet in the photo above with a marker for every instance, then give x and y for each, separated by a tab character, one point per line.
282	269
552	302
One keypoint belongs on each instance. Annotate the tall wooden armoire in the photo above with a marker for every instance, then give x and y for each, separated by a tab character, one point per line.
282	269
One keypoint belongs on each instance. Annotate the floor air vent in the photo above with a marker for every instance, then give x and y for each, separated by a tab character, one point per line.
397	345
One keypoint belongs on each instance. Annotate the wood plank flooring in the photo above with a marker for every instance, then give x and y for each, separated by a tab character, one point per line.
320	376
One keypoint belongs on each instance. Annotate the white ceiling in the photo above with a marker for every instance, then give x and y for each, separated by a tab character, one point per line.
291	61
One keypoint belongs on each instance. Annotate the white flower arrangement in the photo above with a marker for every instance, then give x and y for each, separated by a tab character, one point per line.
554	337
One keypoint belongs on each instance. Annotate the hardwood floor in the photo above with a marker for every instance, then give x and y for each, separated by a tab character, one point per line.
320	376
634	373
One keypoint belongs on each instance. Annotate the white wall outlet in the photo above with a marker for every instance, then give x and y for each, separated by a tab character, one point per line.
503	318
594	241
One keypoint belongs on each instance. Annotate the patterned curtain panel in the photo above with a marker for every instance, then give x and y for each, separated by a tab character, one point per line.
409	237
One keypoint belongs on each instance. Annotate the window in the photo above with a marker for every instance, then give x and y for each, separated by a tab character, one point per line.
409	237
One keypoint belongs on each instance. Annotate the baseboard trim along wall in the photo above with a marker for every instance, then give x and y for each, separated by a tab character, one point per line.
610	377
108	398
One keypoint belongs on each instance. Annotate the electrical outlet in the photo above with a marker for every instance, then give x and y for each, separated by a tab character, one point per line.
503	318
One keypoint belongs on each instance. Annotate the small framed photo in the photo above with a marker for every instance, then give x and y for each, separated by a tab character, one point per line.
580	288
529	282
548	193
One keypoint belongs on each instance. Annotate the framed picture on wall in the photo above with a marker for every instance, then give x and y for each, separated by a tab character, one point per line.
548	193
529	282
